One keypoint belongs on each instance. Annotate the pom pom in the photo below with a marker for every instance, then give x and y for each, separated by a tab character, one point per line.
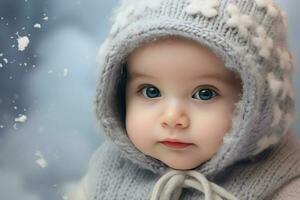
261	3
207	8
274	84
238	20
232	9
263	43
285	59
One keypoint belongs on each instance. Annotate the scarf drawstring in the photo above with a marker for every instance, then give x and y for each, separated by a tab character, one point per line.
170	185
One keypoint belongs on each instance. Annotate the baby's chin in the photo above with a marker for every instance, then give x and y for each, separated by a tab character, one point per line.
179	165
182	166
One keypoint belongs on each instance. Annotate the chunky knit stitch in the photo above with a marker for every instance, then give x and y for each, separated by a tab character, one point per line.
113	177
249	36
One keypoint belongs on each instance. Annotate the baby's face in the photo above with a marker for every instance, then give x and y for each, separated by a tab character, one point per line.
179	102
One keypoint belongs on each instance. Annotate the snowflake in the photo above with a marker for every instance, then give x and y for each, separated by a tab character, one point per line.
22	43
41	162
241	21
263	42
37	26
269	5
40	159
65	72
21	118
286	61
208	8
65	197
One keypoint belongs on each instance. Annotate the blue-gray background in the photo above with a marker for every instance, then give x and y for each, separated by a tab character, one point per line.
59	108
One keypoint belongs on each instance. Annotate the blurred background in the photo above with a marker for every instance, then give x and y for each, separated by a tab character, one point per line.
47	85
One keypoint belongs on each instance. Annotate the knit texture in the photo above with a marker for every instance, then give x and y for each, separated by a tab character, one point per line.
111	177
290	191
250	38
266	109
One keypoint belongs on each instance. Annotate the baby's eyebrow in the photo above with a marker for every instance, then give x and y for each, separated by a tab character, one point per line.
219	76
211	76
137	75
215	76
133	75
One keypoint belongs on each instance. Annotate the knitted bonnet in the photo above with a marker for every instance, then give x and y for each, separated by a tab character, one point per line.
248	35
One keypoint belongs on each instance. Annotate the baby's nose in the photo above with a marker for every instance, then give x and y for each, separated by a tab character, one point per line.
174	118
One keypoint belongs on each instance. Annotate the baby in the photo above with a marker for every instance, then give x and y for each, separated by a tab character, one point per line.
196	100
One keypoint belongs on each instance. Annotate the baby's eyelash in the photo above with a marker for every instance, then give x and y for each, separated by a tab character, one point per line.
143	86
210	87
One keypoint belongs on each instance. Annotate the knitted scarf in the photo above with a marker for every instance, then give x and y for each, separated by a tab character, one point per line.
111	176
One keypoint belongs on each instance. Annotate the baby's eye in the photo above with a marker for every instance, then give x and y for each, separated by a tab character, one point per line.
150	92
205	94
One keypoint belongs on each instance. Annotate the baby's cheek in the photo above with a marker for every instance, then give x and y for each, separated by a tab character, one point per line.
138	128
211	129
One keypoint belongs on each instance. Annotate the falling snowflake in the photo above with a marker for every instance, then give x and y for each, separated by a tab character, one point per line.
65	72
208	8
22	43
40	160
21	118
241	21
263	42
37	26
15	126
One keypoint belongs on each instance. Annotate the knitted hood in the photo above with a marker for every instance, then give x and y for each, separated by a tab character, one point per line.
248	35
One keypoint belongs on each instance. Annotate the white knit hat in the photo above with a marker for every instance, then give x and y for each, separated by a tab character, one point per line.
248	35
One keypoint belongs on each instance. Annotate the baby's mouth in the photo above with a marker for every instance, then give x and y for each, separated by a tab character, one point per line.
175	143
